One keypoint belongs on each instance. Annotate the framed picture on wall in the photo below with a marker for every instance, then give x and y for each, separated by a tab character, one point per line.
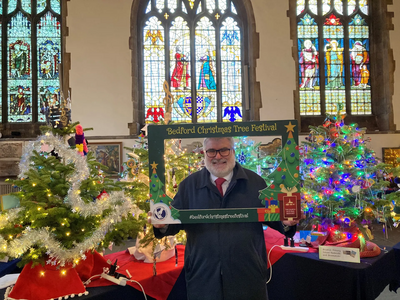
390	156
109	154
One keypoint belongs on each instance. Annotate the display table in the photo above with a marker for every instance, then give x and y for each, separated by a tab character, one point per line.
305	276
295	276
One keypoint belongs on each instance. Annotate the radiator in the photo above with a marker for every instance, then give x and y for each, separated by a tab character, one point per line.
7	188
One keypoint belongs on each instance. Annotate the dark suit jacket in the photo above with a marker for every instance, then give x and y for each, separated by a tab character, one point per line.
223	260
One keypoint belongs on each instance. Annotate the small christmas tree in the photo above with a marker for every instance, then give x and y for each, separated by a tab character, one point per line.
341	176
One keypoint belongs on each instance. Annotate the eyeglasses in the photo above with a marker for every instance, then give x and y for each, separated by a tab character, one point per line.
224	152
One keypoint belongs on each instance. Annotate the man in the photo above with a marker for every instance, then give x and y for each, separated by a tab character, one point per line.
223	260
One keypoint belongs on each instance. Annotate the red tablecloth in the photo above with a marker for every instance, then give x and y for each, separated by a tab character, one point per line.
160	286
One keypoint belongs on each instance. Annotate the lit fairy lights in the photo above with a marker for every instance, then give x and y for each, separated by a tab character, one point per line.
116	202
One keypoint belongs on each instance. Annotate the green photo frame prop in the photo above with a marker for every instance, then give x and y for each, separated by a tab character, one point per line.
280	200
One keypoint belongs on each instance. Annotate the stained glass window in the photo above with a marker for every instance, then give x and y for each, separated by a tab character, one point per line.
33	56
203	67
334	62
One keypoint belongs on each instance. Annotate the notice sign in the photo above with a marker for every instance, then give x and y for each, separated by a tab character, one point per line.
339	254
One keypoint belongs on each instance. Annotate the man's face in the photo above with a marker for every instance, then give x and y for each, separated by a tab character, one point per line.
219	166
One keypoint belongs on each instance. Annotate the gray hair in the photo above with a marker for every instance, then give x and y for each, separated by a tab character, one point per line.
229	138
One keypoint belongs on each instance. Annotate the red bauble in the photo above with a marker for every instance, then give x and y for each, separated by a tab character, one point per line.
163	195
297	168
297	148
279	169
272	186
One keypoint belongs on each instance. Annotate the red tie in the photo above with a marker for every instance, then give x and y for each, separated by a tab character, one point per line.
219	182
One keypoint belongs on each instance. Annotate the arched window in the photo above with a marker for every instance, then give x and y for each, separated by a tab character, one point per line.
31	47
336	61
197	47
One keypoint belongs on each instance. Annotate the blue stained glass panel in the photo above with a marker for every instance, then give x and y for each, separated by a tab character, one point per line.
19	69
12	5
205	71
55	6
180	70
154	70
41	5
1	12
49	58
26	6
231	71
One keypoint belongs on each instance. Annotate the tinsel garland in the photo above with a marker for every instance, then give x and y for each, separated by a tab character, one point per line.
9	217
81	173
117	201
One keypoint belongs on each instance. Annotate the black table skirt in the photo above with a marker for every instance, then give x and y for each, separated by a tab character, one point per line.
296	276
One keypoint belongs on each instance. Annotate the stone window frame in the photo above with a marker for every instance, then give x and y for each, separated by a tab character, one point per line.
254	101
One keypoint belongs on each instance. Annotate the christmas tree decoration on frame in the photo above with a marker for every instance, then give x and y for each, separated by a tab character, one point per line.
285	182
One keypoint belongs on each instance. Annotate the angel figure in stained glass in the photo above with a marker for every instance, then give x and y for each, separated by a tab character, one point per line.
207	81
334	61
180	75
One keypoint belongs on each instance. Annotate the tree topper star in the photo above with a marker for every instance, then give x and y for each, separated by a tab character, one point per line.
290	127
154	165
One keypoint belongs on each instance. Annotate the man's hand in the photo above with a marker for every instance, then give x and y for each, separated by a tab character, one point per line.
290	223
149	214
294	222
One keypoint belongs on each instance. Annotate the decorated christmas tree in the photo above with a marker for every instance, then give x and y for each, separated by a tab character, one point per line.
343	183
67	210
250	155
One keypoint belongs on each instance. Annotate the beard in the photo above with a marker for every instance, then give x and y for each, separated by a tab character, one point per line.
220	167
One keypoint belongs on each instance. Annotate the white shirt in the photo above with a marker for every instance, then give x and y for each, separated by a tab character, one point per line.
225	185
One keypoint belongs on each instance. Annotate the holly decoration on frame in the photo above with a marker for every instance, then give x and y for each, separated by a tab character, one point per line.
157	194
